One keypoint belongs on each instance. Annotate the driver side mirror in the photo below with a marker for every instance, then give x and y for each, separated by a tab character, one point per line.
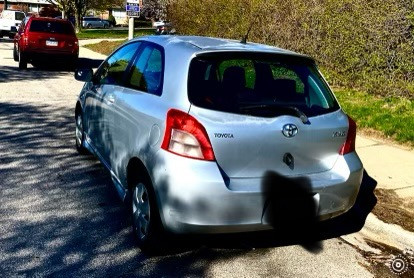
84	75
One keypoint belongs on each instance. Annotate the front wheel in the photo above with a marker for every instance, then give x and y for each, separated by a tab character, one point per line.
15	55
146	224
79	134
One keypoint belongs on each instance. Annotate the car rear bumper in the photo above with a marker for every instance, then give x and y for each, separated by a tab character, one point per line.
193	196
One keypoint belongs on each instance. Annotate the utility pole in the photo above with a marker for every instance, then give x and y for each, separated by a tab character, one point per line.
5	5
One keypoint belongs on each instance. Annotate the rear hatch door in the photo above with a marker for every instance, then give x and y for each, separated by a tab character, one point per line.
287	121
52	36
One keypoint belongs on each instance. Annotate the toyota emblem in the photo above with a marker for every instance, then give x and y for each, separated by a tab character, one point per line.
290	130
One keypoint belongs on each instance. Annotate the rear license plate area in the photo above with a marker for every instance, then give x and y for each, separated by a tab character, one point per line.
51	43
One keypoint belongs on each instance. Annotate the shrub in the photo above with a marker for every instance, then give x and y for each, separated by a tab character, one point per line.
365	44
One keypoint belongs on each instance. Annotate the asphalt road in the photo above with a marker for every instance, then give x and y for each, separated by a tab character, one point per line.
60	216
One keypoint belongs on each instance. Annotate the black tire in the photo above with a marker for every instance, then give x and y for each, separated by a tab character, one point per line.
151	237
79	134
72	63
15	55
88	26
22	61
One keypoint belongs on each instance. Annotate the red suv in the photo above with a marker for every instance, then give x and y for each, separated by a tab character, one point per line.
42	38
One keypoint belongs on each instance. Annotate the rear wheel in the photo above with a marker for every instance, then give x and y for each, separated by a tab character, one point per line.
88	26
146	223
22	61
79	134
15	55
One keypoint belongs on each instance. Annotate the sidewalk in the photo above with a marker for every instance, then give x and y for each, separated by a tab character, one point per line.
392	167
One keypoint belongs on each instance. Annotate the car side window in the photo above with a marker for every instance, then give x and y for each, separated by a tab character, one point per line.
113	69
147	71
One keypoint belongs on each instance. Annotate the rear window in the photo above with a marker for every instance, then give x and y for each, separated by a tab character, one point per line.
264	85
51	27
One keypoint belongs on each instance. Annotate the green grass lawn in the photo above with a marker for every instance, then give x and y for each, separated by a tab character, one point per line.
110	33
390	117
105	47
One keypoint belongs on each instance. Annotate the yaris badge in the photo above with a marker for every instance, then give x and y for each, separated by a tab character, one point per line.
290	130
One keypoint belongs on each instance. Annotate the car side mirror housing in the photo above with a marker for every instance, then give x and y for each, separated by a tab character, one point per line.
84	75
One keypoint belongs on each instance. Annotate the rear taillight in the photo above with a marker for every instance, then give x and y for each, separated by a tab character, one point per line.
185	136
349	145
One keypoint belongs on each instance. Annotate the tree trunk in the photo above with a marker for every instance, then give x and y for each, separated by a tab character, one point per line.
78	20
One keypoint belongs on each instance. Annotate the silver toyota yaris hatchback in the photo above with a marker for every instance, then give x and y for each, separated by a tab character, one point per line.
191	129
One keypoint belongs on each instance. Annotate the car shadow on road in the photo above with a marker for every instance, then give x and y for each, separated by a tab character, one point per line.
89	63
44	70
60	65
14	74
60	215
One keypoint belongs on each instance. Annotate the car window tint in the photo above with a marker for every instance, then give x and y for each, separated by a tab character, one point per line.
258	84
146	72
282	72
19	16
113	69
246	65
51	27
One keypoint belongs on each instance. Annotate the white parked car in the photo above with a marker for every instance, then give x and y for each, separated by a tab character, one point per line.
10	21
158	23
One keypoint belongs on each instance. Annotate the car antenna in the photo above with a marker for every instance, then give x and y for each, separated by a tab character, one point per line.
245	37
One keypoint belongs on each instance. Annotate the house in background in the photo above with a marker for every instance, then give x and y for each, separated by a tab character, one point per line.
27	6
119	14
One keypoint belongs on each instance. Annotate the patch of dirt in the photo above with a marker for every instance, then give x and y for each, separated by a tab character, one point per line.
392	209
104	47
379	265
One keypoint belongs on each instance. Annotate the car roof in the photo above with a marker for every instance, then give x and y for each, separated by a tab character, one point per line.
39	18
199	44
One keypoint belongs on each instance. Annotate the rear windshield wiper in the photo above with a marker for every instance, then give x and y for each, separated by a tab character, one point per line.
302	116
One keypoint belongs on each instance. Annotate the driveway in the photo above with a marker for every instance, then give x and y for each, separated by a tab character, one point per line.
60	216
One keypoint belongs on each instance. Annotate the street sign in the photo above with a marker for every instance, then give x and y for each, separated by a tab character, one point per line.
133	8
